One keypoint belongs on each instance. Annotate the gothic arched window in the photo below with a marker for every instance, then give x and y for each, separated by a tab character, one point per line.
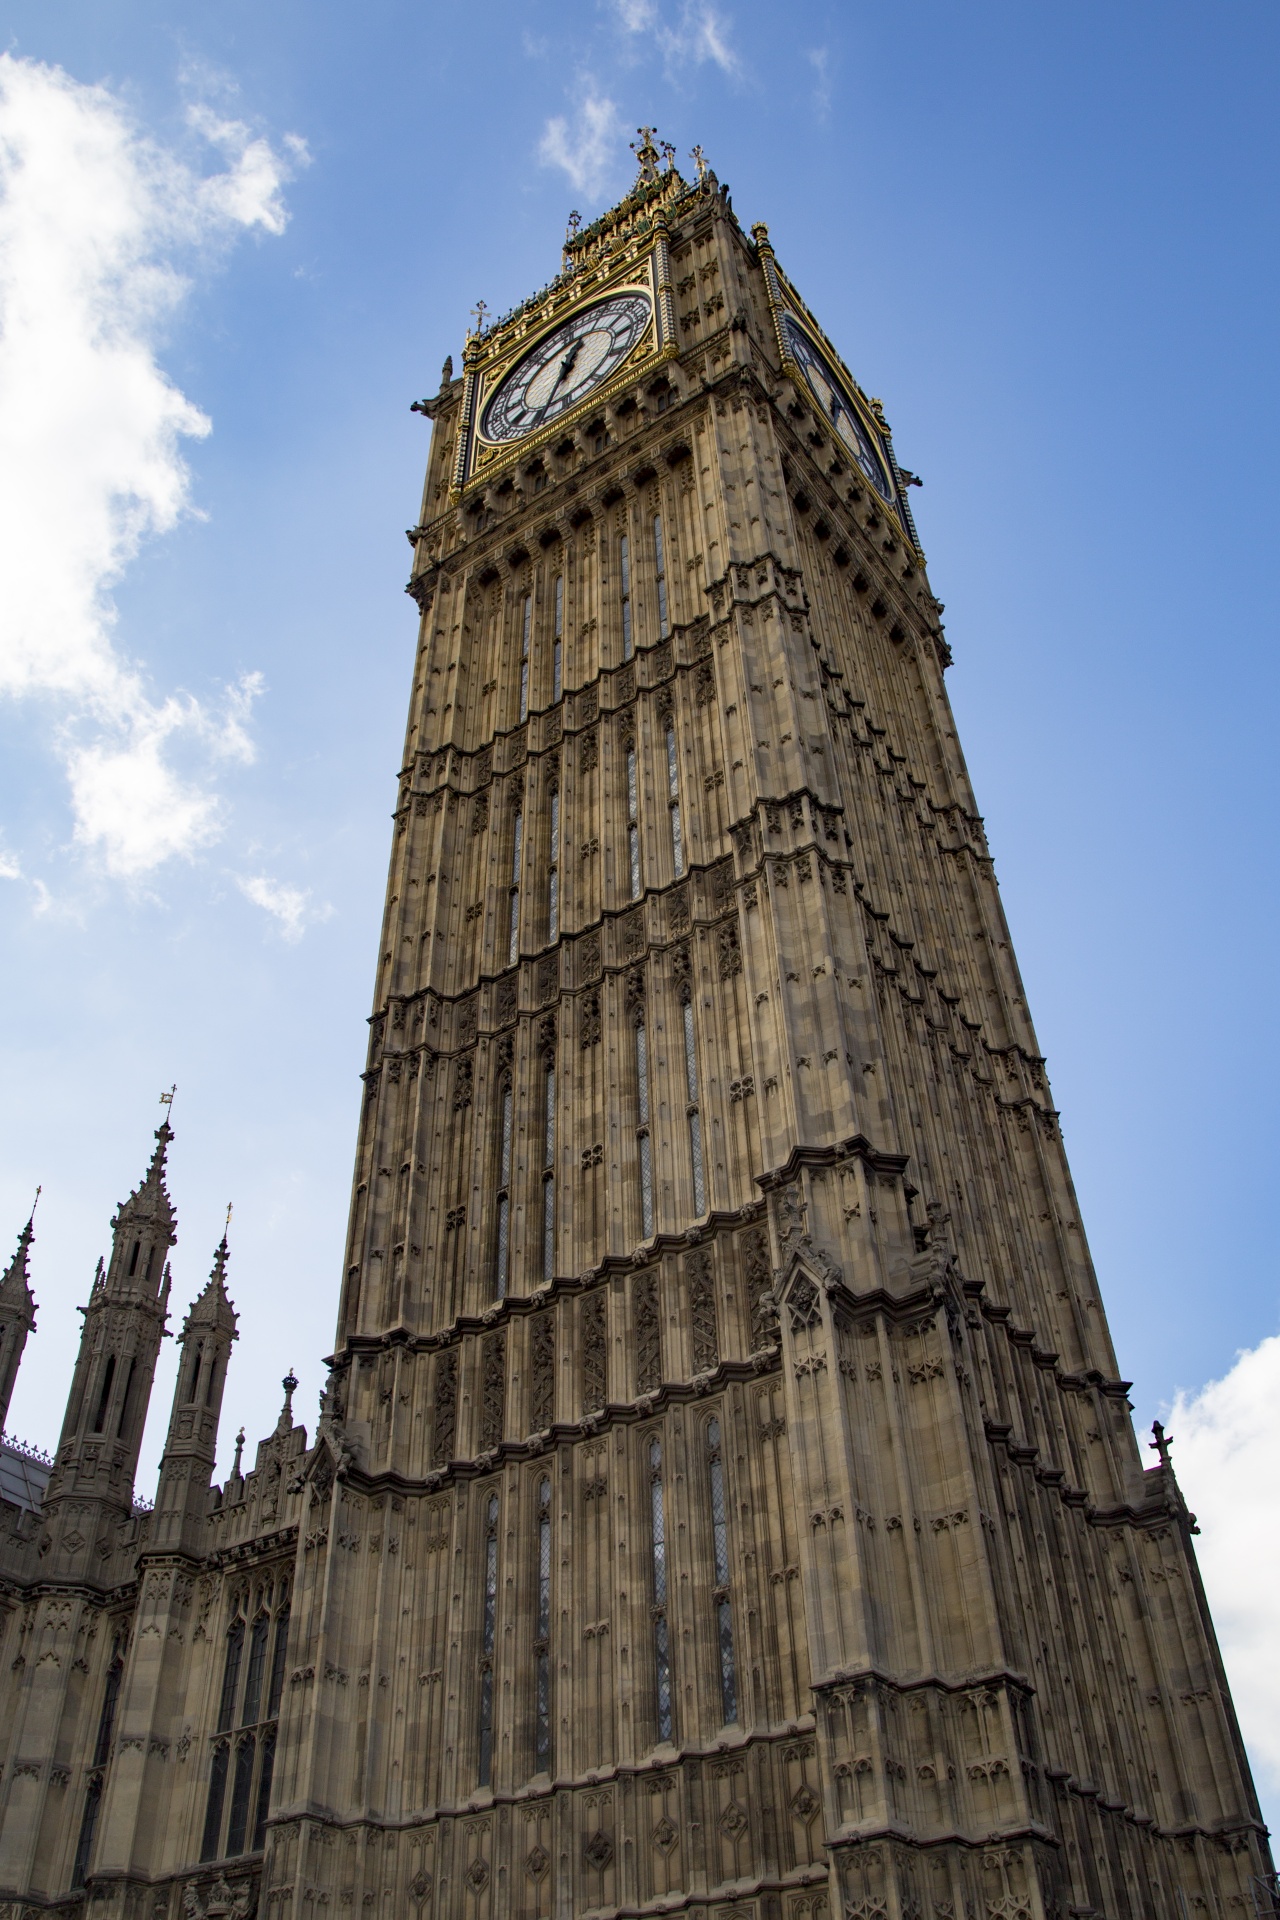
673	801
661	1630
553	872
643	1144
720	1554
557	642
542	1636
633	821
660	562
624	561
517	851
548	1173
502	1261
246	1762
693	1109
526	631
488	1639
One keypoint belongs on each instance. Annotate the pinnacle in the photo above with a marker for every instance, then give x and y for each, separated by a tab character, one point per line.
150	1199
15	1285
212	1305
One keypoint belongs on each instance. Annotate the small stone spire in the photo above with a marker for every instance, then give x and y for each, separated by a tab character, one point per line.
290	1384
17	1313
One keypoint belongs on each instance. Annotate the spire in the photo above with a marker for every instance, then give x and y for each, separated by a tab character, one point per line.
15	1287
212	1307
290	1384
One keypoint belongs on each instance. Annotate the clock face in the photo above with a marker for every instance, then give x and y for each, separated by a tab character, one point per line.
565	366
836	406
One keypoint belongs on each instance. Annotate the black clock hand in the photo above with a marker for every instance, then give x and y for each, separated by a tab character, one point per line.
566	365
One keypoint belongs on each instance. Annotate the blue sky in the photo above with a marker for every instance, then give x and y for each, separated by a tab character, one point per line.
1046	237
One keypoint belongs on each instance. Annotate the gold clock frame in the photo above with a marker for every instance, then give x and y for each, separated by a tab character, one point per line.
487	363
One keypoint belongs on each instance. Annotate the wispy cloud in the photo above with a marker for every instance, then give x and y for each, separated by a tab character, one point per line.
1227	1456
820	60
290	907
587	150
97	222
698	34
10	869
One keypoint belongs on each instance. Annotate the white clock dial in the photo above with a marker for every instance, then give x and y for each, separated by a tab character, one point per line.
565	366
836	405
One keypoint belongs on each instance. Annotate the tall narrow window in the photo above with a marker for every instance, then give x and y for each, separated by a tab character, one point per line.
642	1130
661	1635
101	1754
242	1783
517	851
557	647
526	629
720	1546
503	1262
553	878
108	1376
264	1789
549	1178
542	1637
488	1638
277	1662
633	822
624	557
673	801
231	1673
695	1112
88	1828
660	562
257	1670
213	1806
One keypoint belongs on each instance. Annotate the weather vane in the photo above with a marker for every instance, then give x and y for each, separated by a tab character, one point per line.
166	1100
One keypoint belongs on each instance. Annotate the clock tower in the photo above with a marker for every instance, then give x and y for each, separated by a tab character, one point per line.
724	1500
727	1501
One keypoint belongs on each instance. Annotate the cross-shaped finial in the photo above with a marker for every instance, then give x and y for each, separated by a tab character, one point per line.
227	1222
646	153
699	159
575	221
479	311
668	152
1161	1443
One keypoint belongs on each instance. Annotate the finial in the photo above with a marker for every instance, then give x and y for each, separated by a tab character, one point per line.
668	154
646	153
699	160
166	1100
446	372
235	1464
571	232
290	1385
34	1204
479	311
1161	1443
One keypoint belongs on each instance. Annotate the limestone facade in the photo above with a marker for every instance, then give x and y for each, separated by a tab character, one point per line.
724	1499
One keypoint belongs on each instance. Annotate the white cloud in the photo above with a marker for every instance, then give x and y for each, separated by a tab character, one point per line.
96	223
700	34
9	867
820	61
586	152
290	906
1227	1458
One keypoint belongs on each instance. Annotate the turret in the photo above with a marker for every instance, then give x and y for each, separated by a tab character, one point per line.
186	1469
17	1316
124	1321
